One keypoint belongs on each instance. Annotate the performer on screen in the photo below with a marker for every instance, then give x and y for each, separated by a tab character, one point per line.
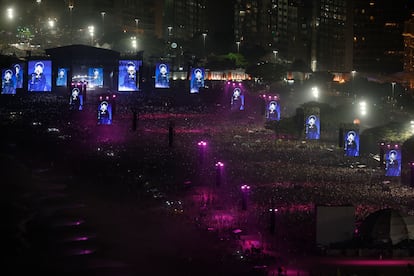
38	79
76	101
273	113
96	78
162	76
237	101
130	80
312	128
18	77
104	115
392	166
198	80
61	79
351	146
8	83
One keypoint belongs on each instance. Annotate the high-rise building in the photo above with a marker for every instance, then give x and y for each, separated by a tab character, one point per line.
378	40
255	23
318	32
134	16
293	29
184	19
164	19
139	16
409	45
332	36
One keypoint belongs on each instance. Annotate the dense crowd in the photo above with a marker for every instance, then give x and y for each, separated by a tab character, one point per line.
290	174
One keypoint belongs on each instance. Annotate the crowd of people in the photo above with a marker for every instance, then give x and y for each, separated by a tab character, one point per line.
292	175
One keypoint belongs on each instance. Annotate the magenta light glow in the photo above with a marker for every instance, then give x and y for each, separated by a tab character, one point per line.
219	164
80	252
80	238
245	187
68	223
202	143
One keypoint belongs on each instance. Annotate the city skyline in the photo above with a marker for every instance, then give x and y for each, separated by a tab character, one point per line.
371	38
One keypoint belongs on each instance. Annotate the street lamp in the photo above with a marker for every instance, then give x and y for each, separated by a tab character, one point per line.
204	42
136	25
134	42
363	108
219	172
245	193
10	13
272	223
169	31
103	22
91	30
70	19
315	92
238	46
353	73
51	23
393	89
275	54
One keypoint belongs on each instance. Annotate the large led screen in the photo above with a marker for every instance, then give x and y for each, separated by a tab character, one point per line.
76	99
351	142
40	76
128	75
393	162
273	110
62	77
312	129
95	76
104	111
162	73
237	99
18	73
8	85
197	79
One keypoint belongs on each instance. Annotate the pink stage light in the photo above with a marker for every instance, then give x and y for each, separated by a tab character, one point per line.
202	143
219	164
245	187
